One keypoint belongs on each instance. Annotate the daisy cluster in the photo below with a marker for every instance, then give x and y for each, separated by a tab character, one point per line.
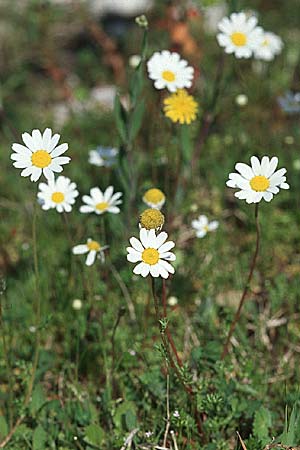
240	35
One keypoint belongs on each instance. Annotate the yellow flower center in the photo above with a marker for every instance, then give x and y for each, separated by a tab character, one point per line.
239	39
154	196
181	107
41	159
259	183
168	75
102	206
152	219
93	245
150	256
57	197
265	43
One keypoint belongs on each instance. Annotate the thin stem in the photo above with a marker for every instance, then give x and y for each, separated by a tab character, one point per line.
125	292
246	288
168	412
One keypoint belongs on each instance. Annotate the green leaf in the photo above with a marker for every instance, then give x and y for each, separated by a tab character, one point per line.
137	119
262	423
39	438
125	416
3	427
94	435
38	399
291	427
120	118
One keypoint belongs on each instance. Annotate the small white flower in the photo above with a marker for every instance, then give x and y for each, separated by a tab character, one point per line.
169	71
77	304
59	194
134	61
270	46
93	249
154	198
100	202
148	434
153	252
239	34
172	301
103	156
241	100
40	155
203	226
176	414
258	181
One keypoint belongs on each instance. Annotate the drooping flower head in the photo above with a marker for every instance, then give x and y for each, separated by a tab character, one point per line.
181	107
152	219
169	71
100	202
93	249
239	34
153	253
59	194
40	154
103	156
270	46
202	226
154	198
259	181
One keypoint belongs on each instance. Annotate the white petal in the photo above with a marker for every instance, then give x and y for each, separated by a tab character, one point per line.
136	244
91	258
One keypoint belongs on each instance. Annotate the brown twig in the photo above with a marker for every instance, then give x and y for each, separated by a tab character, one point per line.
246	289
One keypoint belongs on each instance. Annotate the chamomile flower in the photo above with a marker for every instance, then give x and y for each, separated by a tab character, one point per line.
103	156
181	107
259	181
100	202
169	71
202	226
93	249
59	194
152	219
154	198
270	46
239	35
40	154
153	253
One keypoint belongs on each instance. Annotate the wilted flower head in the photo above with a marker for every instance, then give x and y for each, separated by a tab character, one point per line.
152	219
93	249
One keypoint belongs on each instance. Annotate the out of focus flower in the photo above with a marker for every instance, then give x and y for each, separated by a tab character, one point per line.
241	100
148	434
93	249
212	16
77	304
100	202
153	253
296	164
169	71
103	156
289	140
40	155
181	107
154	198
259	181
134	61
239	35
172	301
290	102
270	46
203	226
59	194
152	219
176	414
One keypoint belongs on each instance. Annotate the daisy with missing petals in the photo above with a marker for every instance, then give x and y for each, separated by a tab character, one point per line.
169	71
40	154
100	202
181	107
203	226
59	194
93	249
270	46
153	253
239	35
154	198
259	181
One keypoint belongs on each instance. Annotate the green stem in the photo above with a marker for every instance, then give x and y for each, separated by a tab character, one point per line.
9	372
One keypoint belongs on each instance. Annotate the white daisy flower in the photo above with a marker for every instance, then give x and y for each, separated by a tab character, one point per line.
153	252
40	155
154	198
100	202
203	226
259	181
169	71
239	34
59	194
270	46
93	249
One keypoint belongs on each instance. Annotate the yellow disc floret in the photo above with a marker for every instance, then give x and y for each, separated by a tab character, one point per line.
93	245
239	39
154	196
57	197
259	183
168	75
181	107
152	219
41	159
150	256
102	206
